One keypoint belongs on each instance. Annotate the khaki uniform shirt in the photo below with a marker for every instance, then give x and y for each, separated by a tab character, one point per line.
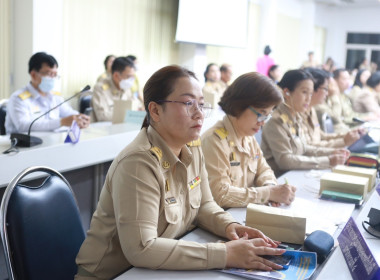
354	93
223	86
149	198
367	101
284	145
105	92
213	88
333	108
237	172
314	134
103	76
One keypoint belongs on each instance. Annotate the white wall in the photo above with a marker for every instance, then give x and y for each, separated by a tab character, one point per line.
340	21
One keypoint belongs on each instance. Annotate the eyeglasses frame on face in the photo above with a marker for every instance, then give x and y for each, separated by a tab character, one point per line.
50	75
260	117
200	108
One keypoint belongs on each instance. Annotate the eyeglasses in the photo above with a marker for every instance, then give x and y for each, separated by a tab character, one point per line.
260	117
192	106
50	75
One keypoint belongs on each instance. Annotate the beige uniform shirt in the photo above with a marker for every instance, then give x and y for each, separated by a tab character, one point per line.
103	76
367	101
314	134
149	198
213	88
333	108
237	171
284	145
105	93
354	93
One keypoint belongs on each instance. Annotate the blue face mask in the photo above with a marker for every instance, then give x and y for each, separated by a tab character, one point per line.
47	84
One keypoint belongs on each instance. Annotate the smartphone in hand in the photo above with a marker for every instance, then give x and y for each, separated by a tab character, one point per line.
88	111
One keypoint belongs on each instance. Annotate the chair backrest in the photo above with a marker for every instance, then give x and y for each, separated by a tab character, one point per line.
326	123
84	103
3	113
41	228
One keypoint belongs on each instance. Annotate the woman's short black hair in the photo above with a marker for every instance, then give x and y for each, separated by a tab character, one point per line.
291	79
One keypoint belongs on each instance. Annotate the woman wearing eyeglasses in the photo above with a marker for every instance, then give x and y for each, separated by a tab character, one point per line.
157	189
313	133
283	140
237	171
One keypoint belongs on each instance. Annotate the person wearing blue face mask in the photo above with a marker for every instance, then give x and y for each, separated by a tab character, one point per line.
116	87
38	97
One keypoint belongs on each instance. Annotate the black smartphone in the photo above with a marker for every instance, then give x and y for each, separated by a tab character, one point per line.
283	260
88	111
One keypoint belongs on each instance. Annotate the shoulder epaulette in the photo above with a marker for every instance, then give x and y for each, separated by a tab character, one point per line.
24	95
156	151
194	143
57	93
284	118
221	132
105	86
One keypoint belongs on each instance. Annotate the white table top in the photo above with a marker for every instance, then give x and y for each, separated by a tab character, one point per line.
101	142
307	183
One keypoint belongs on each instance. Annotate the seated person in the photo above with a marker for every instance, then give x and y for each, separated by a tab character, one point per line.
116	87
274	73
157	189
225	76
312	130
108	68
136	83
212	85
368	99
283	142
37	97
360	81
237	171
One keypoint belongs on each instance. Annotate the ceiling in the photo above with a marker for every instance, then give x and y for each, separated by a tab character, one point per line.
350	3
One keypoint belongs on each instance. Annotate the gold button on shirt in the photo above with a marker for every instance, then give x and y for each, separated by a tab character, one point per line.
237	173
149	198
284	145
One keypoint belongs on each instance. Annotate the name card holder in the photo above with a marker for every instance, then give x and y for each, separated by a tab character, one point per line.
73	134
359	259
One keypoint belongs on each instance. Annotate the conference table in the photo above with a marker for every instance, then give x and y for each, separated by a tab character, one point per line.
321	214
85	165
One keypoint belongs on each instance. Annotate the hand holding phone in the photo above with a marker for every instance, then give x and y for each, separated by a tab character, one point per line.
88	111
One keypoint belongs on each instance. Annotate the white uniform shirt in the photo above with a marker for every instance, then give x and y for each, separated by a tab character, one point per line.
27	104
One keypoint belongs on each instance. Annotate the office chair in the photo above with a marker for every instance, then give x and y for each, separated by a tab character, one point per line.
84	103
41	229
3	113
326	123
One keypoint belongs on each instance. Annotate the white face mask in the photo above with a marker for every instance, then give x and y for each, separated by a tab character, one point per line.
127	83
47	84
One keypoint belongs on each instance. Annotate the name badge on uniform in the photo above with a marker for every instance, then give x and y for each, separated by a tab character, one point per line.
234	163
171	200
36	109
195	182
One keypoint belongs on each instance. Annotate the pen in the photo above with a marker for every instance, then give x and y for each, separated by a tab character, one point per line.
286	181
